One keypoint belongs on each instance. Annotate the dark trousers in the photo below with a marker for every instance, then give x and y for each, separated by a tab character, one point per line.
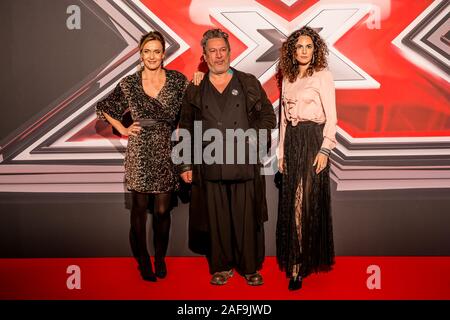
237	239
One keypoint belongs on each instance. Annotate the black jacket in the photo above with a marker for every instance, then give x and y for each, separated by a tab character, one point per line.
260	116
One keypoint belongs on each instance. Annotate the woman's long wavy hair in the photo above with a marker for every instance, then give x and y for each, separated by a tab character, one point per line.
289	67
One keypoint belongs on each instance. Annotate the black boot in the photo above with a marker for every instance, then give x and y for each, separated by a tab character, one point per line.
160	268
161	229
145	267
138	235
295	283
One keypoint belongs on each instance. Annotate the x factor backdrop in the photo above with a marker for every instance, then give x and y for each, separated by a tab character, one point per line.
61	175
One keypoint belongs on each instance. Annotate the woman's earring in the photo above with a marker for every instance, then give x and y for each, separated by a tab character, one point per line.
312	61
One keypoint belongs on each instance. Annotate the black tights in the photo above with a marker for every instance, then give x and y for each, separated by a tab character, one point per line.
161	224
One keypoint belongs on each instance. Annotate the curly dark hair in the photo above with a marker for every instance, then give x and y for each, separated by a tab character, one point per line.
288	65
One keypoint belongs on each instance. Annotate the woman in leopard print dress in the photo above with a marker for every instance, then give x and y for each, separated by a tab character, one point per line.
153	96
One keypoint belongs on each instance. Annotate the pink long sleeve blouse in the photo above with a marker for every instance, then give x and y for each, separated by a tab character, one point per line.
309	99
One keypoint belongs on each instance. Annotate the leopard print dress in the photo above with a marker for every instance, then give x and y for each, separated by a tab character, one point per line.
148	164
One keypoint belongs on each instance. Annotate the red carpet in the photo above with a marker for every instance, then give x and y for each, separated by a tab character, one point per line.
402	278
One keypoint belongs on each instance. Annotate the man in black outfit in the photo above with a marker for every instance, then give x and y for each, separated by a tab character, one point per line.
228	202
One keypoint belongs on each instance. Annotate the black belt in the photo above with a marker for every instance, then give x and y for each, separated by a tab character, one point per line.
152	122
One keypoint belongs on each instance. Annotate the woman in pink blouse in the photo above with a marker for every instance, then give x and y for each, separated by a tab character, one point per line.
307	136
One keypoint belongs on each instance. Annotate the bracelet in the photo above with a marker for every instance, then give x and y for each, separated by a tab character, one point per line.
325	151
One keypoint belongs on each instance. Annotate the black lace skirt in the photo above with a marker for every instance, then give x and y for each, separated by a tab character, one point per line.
304	236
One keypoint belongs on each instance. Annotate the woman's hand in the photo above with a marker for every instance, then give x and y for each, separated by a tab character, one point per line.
320	162
198	77
132	130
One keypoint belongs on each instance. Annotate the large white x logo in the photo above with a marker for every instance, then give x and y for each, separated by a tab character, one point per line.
263	37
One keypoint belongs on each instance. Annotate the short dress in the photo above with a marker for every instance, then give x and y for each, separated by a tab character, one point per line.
148	163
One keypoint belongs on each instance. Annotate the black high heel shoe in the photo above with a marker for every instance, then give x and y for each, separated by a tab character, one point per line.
295	283
160	268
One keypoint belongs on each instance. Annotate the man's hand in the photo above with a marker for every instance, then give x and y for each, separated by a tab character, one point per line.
281	165
187	176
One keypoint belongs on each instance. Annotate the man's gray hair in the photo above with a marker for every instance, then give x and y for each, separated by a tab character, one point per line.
214	33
